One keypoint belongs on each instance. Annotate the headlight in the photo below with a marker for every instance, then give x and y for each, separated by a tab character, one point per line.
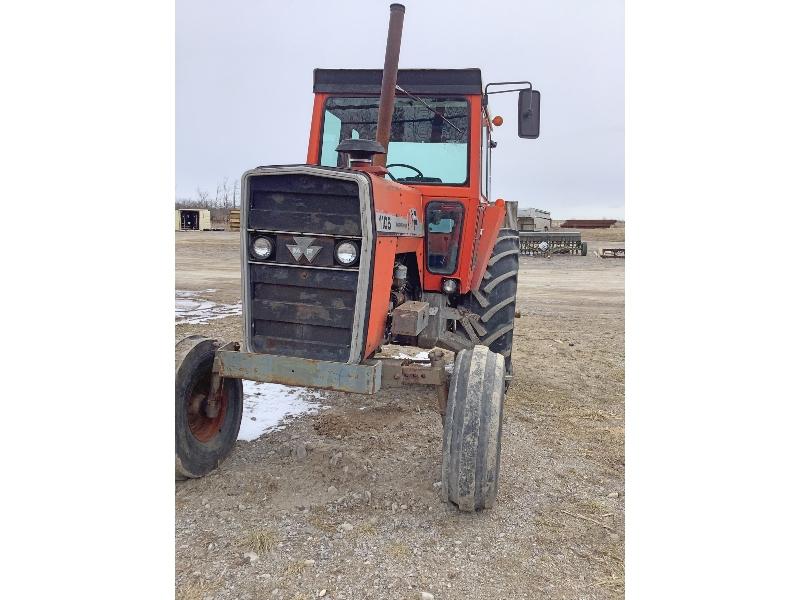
262	247
346	253
449	286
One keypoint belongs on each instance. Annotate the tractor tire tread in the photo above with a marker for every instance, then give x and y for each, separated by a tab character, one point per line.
495	299
473	430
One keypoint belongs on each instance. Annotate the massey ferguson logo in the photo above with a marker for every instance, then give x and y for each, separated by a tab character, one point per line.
302	247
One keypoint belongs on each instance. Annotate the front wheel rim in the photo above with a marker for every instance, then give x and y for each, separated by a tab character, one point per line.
202	427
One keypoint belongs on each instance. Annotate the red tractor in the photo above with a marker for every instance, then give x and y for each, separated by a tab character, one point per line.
385	235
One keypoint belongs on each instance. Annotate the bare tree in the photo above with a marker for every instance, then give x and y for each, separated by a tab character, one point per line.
225	193
223	200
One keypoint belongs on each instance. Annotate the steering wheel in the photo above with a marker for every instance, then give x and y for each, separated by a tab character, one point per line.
419	173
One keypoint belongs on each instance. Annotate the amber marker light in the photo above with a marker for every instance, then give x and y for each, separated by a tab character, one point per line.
497	121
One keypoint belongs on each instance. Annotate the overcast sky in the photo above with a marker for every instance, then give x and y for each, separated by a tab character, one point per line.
244	73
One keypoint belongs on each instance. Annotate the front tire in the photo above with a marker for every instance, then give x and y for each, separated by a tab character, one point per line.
473	429
202	443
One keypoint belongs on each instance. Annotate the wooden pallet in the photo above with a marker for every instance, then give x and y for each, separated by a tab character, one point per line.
234	219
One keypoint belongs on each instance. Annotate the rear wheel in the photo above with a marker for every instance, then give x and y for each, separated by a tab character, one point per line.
472	429
202	442
496	299
584	248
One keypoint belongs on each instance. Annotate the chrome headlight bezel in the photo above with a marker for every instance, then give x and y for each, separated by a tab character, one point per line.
354	251
262	255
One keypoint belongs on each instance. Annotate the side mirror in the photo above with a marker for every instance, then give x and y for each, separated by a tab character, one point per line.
528	117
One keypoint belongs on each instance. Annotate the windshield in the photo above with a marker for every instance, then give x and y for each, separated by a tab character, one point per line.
423	146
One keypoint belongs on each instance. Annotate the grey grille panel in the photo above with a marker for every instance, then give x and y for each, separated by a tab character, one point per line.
302	312
307	307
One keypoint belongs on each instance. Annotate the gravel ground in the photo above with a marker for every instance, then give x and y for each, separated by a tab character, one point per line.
344	503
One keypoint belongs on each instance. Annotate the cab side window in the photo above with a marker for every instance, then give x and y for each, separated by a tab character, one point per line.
443	235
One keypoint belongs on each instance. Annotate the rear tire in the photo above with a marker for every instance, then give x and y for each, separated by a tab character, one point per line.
495	301
473	429
202	443
584	248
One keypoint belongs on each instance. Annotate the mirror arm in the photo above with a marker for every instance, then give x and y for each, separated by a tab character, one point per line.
486	92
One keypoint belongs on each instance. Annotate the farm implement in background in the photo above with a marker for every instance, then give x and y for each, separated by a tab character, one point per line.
534	243
612	253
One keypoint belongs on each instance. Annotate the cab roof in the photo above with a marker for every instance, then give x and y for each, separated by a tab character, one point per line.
415	81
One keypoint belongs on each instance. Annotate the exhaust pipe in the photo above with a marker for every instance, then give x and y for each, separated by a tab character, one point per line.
390	62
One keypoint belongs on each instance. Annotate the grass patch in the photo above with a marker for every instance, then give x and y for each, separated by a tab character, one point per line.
367	529
296	567
197	589
398	550
317	518
261	541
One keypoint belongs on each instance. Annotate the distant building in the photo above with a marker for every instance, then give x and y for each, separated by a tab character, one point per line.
534	219
588	223
192	219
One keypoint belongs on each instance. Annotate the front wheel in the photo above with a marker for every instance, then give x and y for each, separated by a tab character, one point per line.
472	429
202	442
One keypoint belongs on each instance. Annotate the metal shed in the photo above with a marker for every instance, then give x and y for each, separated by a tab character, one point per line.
192	219
534	219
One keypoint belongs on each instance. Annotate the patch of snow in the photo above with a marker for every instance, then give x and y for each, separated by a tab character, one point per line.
267	407
191	308
418	356
192	294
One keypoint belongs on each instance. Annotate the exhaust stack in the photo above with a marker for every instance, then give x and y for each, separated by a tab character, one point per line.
390	62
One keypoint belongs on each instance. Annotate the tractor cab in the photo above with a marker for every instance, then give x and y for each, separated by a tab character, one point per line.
432	129
439	143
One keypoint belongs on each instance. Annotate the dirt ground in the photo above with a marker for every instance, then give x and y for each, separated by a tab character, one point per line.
344	503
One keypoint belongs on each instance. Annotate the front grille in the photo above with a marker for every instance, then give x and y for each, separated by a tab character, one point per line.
299	307
305	203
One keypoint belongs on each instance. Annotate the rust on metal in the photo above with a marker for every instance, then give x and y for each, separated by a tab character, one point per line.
410	318
436	357
362	378
205	407
214	397
397	372
390	63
